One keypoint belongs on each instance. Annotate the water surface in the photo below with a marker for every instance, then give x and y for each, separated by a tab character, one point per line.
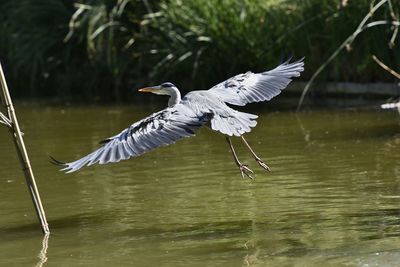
331	199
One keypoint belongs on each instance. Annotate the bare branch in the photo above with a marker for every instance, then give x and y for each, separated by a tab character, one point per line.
395	17
348	41
4	120
380	63
395	32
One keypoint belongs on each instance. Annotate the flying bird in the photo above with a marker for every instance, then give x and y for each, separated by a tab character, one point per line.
184	116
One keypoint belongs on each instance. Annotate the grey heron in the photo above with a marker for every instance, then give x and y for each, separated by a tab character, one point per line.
184	116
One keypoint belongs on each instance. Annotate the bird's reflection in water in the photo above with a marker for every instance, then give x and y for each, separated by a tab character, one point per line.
43	252
251	257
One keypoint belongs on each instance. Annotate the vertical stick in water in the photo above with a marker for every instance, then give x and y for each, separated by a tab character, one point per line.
22	154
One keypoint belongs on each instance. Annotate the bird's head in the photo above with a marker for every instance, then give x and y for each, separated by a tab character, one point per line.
166	88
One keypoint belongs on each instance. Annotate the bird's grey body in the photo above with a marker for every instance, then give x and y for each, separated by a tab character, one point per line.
184	116
221	117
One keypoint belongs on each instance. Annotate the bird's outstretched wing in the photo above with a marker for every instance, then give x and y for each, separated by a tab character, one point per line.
162	128
252	87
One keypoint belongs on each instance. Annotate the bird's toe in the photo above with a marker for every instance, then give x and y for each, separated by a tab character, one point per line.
245	170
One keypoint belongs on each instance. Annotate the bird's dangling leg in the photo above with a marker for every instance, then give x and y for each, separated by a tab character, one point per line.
244	169
257	158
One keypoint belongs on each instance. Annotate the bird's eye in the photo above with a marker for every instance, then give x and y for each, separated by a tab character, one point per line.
167	84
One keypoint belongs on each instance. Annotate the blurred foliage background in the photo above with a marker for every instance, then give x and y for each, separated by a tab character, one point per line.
100	50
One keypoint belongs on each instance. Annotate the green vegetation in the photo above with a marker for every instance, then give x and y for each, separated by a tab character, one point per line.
97	50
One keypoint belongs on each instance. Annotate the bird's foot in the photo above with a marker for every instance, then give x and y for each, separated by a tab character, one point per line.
262	164
245	170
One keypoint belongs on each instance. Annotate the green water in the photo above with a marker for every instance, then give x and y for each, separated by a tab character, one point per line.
332	198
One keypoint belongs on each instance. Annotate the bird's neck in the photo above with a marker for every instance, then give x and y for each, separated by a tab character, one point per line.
175	97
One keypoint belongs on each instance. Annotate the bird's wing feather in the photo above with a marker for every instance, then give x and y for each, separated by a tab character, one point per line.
252	87
162	128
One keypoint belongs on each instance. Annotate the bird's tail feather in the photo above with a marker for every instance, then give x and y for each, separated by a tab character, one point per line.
236	125
57	162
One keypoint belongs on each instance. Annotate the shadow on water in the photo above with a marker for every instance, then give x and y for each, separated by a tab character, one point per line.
195	231
68	222
198	231
170	233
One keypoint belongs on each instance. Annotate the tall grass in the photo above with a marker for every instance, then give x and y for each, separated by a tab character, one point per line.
97	49
210	41
30	39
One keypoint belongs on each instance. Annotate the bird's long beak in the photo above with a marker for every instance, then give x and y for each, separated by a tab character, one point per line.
151	89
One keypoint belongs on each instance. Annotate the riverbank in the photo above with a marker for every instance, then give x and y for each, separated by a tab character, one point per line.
322	96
